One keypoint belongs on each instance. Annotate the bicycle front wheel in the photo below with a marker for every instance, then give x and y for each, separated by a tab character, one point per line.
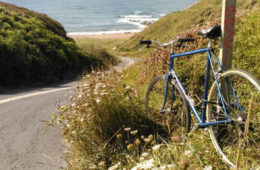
239	142
175	116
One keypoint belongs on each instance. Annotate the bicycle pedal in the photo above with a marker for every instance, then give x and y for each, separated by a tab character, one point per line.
193	130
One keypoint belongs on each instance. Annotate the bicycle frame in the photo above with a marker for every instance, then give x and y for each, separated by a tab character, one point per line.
209	64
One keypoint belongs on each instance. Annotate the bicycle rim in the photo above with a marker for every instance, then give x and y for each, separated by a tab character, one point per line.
238	143
176	116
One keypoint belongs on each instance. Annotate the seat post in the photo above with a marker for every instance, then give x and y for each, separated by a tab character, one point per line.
210	43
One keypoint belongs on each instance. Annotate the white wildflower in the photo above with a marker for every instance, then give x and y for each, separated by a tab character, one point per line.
209	167
145	154
148	164
74	132
73	104
98	100
156	147
80	95
171	166
115	167
86	85
188	153
82	119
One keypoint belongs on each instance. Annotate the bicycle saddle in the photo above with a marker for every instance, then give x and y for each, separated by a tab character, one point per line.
211	33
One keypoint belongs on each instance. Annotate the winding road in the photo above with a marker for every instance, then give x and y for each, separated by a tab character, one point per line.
23	145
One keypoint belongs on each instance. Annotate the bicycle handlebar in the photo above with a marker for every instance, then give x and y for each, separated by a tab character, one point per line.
184	40
181	40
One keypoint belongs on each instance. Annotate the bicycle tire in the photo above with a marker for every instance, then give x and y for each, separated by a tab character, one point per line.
237	143
177	120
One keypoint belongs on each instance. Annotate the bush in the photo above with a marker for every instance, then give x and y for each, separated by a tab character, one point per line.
32	53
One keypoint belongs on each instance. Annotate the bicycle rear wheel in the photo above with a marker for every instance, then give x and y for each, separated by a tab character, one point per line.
176	113
239	142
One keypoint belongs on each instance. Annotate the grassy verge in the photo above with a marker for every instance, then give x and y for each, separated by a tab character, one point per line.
105	124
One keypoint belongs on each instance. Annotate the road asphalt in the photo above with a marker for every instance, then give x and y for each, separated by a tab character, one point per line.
23	145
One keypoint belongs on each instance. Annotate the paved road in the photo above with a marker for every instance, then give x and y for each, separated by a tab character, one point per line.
23	146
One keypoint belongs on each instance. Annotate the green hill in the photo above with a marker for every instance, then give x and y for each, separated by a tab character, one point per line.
200	14
35	49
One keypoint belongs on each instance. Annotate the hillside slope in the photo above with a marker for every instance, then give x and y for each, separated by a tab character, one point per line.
35	49
51	24
200	14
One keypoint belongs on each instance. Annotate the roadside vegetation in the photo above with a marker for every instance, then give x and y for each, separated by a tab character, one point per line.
105	125
34	49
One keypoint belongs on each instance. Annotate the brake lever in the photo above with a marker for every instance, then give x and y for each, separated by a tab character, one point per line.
142	48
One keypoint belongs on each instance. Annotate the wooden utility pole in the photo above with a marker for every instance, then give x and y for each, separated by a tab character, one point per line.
227	36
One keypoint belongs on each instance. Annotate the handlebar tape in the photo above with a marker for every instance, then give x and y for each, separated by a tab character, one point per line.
186	40
148	42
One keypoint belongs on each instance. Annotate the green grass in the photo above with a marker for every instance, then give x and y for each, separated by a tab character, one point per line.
103	108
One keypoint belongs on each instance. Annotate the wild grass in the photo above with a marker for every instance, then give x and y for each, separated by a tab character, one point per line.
106	125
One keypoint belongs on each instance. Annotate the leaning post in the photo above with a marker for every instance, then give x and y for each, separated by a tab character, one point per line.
227	36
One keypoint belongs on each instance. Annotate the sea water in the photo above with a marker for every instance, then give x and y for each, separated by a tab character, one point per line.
83	17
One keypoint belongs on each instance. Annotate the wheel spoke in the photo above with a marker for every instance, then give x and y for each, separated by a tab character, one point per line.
176	114
242	99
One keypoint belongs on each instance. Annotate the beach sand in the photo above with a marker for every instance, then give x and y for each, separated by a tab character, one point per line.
103	36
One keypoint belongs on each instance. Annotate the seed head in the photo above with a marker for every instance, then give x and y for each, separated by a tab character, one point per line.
175	139
137	142
134	132
127	129
183	164
93	167
102	163
147	140
119	136
130	147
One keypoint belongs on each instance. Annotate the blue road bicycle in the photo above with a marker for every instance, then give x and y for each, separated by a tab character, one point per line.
230	108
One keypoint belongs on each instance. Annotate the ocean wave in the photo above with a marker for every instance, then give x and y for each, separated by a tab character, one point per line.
162	15
138	12
138	21
136	16
104	32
